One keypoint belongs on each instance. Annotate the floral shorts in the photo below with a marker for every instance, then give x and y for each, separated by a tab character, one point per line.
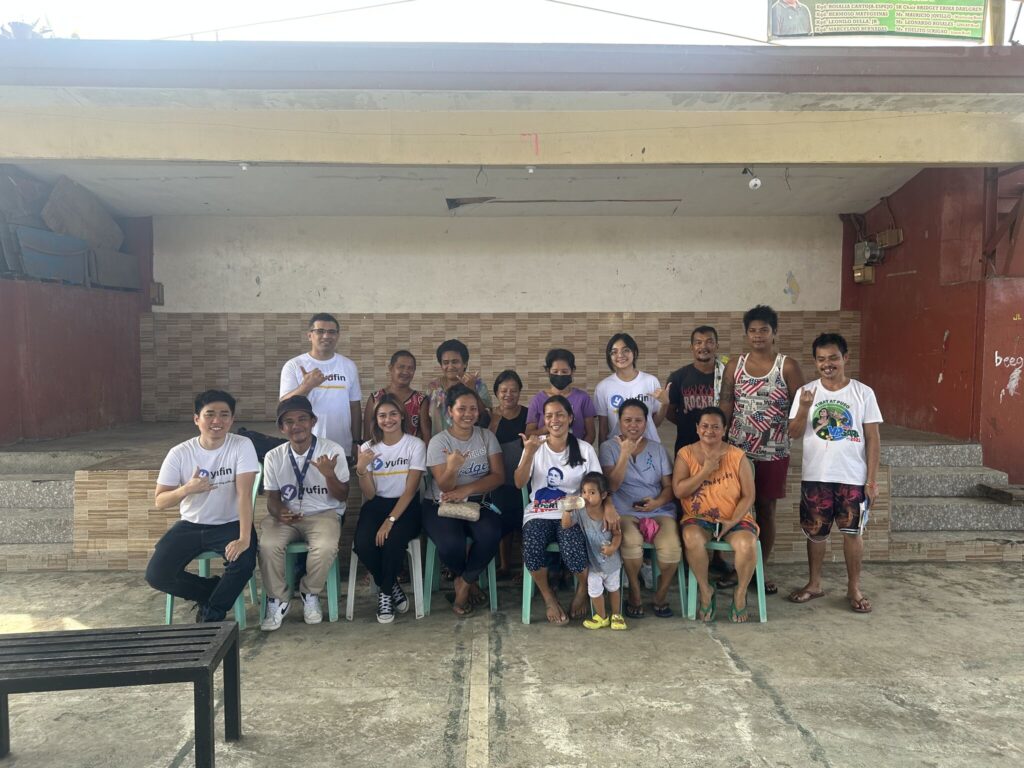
821	504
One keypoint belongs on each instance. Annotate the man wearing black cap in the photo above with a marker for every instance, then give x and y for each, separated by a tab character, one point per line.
306	488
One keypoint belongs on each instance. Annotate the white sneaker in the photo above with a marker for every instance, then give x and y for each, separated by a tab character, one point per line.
276	611
311	612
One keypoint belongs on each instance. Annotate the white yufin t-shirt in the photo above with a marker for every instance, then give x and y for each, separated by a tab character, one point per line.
613	391
551	478
279	475
235	457
331	400
390	467
834	449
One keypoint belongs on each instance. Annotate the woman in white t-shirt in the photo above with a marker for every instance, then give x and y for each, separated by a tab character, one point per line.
389	468
554	466
626	382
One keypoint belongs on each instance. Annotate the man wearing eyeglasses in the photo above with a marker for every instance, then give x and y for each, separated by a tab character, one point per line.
330	381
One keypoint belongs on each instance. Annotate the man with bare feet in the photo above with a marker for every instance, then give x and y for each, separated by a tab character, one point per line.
838	419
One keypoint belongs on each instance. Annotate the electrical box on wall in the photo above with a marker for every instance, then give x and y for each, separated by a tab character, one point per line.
866	253
864	275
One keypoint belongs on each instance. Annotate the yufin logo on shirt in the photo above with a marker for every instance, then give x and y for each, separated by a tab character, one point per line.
617	400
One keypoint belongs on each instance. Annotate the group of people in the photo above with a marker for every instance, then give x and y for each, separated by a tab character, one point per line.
468	465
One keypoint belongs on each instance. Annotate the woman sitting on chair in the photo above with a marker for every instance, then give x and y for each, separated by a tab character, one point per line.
715	483
465	463
389	468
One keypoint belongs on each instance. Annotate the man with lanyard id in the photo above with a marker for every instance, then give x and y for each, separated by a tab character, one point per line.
307	487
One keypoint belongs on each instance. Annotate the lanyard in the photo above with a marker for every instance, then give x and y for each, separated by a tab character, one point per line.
300	477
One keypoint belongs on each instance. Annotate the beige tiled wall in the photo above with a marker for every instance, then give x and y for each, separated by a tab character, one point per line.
185	353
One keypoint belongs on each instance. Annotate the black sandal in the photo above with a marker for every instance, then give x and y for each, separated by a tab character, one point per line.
634	611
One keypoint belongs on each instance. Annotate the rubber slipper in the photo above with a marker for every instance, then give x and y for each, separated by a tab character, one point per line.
634	611
860	606
727	581
663	611
801	596
738	615
478	598
706	613
464	610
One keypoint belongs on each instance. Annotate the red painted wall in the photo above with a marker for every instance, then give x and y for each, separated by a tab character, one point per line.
922	320
1002	368
71	354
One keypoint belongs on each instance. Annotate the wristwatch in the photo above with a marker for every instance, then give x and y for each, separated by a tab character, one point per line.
392	519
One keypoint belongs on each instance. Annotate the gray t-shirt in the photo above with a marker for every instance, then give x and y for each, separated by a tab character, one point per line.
597	538
482	444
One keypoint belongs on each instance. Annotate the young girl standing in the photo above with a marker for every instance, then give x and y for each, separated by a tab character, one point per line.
602	552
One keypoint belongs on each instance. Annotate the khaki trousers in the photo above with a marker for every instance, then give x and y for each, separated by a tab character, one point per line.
320	532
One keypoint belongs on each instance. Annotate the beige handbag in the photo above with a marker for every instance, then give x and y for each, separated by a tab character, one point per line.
460	510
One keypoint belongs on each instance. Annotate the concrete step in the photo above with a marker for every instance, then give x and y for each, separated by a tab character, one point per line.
23	558
956	513
957	546
37	491
943	481
36	526
15	462
951	455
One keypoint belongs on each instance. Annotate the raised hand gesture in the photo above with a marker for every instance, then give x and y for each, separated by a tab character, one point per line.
807	397
531	443
325	464
198	484
311	379
365	459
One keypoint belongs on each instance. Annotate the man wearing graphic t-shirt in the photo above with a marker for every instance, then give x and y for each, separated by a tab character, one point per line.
696	386
330	381
838	419
210	479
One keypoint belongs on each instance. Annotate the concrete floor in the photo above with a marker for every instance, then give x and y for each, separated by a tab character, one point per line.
931	678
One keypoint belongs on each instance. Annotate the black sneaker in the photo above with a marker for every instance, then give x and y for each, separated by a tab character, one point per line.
398	598
385	611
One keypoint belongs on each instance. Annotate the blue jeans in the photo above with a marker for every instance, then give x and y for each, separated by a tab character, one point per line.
180	546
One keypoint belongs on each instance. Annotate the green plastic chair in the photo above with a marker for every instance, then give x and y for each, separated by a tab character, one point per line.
333	580
723	546
203	559
432	578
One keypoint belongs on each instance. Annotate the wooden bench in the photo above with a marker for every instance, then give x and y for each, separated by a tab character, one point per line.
109	658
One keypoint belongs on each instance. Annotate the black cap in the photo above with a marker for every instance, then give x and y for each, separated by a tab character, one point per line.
294	403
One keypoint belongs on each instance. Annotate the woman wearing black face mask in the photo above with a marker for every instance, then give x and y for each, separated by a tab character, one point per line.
560	365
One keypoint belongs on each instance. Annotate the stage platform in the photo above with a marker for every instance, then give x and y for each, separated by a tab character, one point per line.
85	502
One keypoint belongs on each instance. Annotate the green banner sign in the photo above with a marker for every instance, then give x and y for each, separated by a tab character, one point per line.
927	18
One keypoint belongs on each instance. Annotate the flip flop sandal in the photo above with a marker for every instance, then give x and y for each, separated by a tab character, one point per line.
634	611
801	596
464	610
738	615
728	581
663	611
860	606
706	613
478	598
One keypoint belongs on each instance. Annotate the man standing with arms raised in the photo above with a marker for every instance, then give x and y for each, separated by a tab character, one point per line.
838	419
330	381
757	390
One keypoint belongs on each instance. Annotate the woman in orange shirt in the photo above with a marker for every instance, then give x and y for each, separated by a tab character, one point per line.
715	484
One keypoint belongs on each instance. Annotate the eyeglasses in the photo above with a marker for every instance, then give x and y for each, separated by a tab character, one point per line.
323	331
